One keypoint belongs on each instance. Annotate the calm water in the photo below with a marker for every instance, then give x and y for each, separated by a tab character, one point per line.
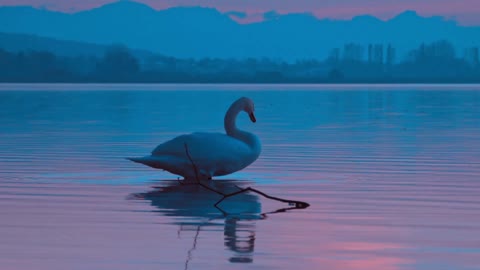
392	176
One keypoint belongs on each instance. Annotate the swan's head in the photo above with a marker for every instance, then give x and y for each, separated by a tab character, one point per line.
248	107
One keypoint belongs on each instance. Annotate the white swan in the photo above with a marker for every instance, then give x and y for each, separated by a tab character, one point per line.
214	154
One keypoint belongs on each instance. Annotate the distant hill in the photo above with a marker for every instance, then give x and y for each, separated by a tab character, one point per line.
25	42
205	32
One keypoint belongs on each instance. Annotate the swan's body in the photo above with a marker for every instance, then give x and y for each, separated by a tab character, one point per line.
214	154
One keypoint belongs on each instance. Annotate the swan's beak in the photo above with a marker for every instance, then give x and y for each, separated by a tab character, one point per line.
252	117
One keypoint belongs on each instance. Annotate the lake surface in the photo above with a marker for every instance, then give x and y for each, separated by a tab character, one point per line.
392	175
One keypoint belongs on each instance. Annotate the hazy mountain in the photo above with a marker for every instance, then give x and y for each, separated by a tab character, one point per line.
205	32
25	42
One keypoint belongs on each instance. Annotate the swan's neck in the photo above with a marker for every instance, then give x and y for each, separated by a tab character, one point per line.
232	130
231	118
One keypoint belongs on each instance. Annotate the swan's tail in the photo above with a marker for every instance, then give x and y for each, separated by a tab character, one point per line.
137	160
150	161
173	165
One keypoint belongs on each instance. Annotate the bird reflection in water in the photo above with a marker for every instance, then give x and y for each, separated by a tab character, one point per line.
192	206
239	238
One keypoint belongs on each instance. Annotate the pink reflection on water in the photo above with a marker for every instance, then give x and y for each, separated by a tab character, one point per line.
384	194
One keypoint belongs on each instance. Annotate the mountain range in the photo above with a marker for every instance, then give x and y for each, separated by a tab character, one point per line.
205	32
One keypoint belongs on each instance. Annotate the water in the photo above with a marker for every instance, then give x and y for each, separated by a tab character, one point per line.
392	175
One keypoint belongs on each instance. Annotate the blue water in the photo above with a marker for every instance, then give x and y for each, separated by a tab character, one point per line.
391	174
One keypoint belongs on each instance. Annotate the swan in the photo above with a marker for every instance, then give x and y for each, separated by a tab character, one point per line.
214	154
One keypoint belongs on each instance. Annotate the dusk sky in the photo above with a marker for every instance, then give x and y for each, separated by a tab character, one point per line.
466	12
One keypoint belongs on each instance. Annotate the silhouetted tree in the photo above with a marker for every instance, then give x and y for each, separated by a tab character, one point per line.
118	64
335	75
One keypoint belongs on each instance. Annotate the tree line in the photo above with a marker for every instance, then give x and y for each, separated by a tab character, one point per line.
429	63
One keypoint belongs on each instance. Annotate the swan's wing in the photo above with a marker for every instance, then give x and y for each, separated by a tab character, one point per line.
214	147
213	154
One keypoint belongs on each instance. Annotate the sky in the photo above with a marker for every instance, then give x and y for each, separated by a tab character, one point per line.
466	12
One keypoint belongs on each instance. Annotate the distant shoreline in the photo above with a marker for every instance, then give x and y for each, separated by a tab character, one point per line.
232	86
